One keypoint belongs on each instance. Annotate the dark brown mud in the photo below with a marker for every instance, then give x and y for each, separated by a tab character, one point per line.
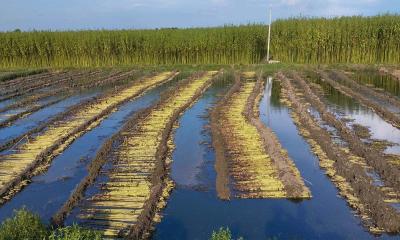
346	173
381	111
373	158
287	171
46	155
47	82
394	72
382	96
221	163
159	177
112	78
16	78
15	117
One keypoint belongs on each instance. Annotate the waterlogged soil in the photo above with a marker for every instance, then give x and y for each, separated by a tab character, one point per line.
194	211
345	107
47	192
33	120
379	81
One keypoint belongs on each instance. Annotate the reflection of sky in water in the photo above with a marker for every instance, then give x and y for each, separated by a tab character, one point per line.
379	128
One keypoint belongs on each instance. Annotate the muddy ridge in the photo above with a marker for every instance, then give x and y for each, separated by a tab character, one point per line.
69	90
71	110
381	111
47	154
26	79
64	77
348	176
158	178
221	163
235	154
288	173
390	175
382	96
394	72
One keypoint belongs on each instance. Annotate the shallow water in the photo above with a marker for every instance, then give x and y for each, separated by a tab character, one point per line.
194	211
49	191
33	120
382	82
346	107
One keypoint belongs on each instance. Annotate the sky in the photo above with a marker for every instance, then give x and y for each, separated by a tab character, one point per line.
123	14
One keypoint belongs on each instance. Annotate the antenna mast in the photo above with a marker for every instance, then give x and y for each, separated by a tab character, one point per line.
269	32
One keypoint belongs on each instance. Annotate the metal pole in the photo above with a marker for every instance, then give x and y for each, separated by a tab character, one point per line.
269	32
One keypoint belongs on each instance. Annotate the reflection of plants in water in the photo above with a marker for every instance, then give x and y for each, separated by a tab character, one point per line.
333	95
376	80
276	93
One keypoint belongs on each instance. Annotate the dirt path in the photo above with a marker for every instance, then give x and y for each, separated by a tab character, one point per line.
345	170
138	176
18	167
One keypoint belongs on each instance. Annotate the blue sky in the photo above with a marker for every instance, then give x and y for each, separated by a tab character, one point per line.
116	14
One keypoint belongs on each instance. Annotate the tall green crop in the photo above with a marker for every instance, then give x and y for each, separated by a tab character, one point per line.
298	40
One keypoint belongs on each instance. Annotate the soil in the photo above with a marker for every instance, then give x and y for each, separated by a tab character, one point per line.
372	157
47	154
357	187
294	185
381	111
159	176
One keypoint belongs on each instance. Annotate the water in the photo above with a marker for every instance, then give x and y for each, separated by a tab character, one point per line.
194	212
49	191
33	120
382	82
344	106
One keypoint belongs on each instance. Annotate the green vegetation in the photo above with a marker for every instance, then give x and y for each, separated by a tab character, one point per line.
296	40
23	225
26	225
338	40
222	234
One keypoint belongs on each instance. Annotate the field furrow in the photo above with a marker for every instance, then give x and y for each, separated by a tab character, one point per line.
253	156
38	101
62	78
369	156
385	113
382	96
346	170
19	165
20	80
127	200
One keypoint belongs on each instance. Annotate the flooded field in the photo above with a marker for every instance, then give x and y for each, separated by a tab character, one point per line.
302	153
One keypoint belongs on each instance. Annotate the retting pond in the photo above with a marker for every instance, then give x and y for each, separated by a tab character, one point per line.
194	211
344	106
48	191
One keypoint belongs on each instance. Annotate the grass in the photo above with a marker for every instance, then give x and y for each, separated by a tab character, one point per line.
28	226
296	40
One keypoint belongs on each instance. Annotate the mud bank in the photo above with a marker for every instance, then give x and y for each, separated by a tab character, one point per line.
245	137
43	147
344	169
372	157
365	90
158	176
381	111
